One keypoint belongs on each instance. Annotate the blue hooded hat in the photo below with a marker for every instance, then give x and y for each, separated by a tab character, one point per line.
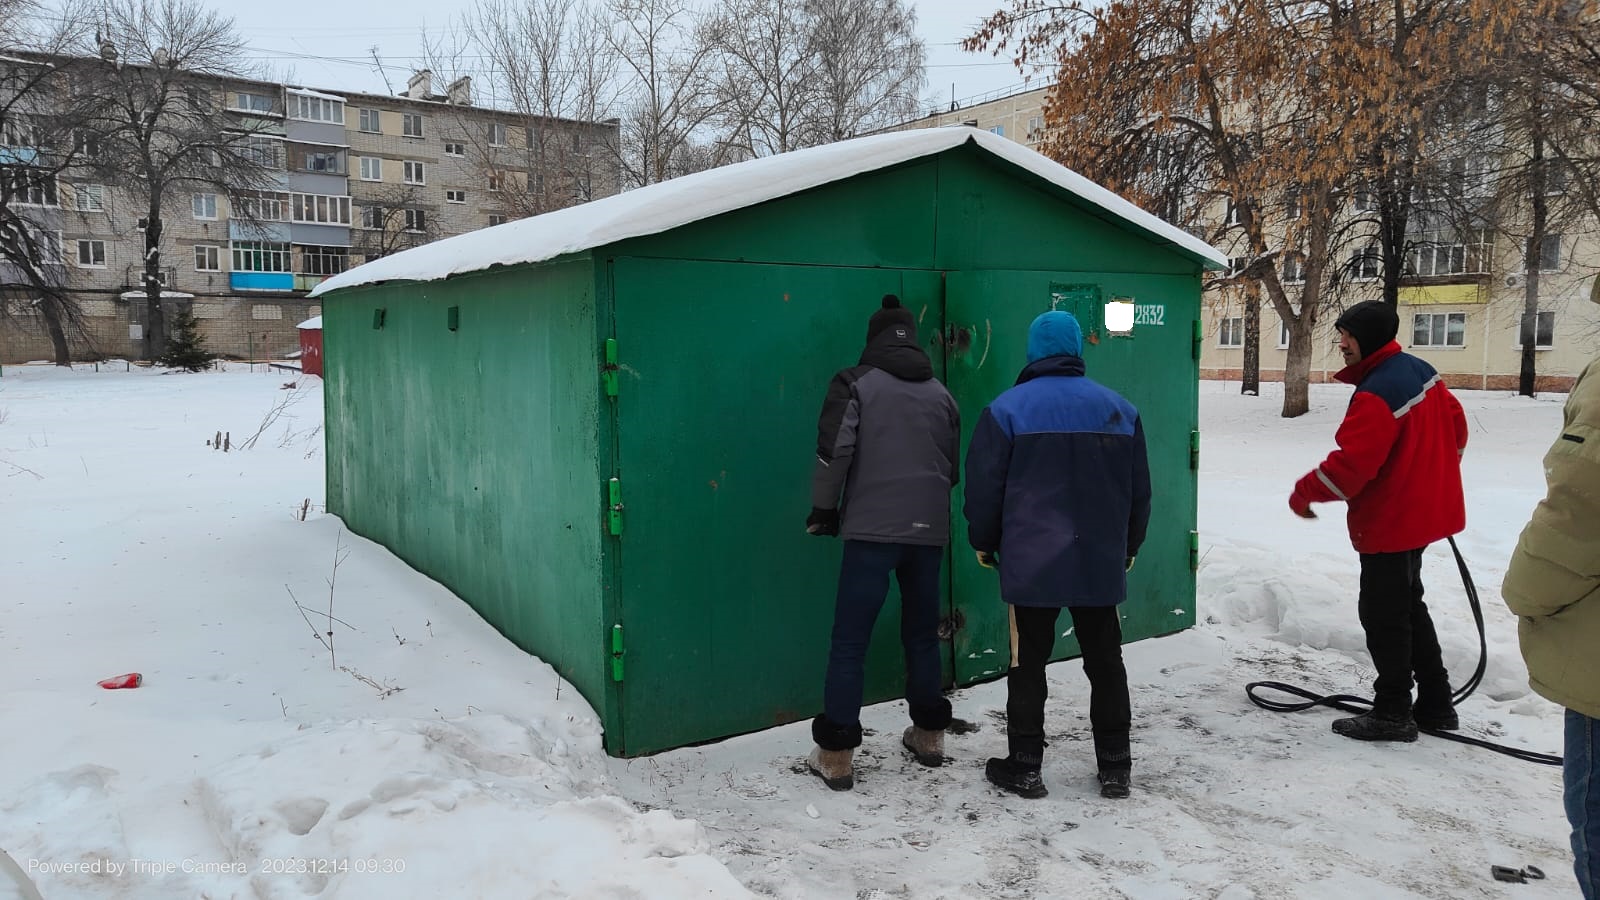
1054	333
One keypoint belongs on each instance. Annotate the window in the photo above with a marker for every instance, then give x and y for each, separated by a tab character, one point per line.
317	109
327	162
1544	331
416	220
205	206
1230	332
1439	330
496	219
1366	198
92	254
1237	264
1293	206
1294	269
260	256
370	123
19	131
1550	253
371	168
319	209
497	134
207	258
86	144
415	172
25	189
455	196
324	260
1235	212
244	101
372	217
1283	335
90	197
497	181
411	125
1035	127
998	129
261	151
264	207
454	148
1449	253
1365	264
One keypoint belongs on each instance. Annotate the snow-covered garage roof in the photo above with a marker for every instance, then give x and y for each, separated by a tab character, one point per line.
669	204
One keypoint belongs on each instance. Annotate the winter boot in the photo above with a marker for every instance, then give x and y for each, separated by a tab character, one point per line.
1378	726
1434	709
1020	778
925	744
834	767
1114	783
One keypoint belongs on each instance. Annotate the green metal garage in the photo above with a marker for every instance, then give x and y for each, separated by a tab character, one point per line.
597	426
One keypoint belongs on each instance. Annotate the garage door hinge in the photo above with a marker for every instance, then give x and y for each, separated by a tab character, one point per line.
614	506
1194	551
616	652
1194	450
608	371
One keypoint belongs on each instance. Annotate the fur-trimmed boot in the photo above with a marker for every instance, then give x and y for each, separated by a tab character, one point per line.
836	768
926	744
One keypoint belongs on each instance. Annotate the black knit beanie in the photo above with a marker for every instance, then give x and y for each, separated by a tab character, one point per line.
1373	324
892	313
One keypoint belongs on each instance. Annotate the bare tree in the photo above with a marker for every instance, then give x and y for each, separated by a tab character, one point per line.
164	128
796	73
667	52
552	64
38	144
869	64
766	75
395	219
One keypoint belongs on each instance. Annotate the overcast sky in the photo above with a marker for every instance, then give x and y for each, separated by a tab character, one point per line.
325	43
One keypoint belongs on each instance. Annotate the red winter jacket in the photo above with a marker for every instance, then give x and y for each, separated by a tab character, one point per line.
1399	459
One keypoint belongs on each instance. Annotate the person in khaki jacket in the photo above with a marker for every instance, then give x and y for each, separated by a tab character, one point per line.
1553	585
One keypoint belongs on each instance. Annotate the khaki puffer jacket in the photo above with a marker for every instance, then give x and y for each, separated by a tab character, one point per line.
1553	582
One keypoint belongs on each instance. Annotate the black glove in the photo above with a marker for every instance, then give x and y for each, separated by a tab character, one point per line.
823	522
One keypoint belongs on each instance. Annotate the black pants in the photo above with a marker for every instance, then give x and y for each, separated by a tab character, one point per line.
1099	635
1400	634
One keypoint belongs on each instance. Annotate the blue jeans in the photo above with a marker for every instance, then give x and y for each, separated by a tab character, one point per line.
1582	777
863	588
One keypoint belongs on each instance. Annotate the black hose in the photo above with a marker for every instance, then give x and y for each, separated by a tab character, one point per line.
1353	704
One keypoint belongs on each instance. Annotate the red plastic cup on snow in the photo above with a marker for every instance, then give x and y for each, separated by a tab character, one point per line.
130	680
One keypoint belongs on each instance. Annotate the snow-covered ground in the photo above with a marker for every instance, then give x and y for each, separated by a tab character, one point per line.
427	757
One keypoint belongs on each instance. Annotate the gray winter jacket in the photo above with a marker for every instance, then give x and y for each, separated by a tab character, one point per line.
888	441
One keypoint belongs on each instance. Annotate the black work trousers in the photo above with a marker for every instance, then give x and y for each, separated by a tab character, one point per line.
1099	634
1400	633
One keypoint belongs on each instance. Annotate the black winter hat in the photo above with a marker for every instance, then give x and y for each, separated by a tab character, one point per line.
1373	324
892	313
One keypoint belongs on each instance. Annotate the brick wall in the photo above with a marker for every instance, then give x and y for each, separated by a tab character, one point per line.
235	327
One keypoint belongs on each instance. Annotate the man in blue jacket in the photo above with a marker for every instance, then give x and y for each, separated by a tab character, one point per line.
1058	497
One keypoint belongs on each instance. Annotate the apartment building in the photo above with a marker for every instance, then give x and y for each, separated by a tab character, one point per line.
353	177
1461	307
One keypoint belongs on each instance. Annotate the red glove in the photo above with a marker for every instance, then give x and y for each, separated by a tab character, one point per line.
1301	505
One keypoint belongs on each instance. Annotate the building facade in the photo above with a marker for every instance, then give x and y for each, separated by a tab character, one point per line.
352	177
1461	308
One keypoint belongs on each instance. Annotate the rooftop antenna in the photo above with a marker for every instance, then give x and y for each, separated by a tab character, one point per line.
378	64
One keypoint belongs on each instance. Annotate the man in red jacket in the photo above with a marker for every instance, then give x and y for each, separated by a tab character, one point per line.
1398	467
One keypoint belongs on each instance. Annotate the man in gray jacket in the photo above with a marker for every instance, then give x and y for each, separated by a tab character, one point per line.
887	444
